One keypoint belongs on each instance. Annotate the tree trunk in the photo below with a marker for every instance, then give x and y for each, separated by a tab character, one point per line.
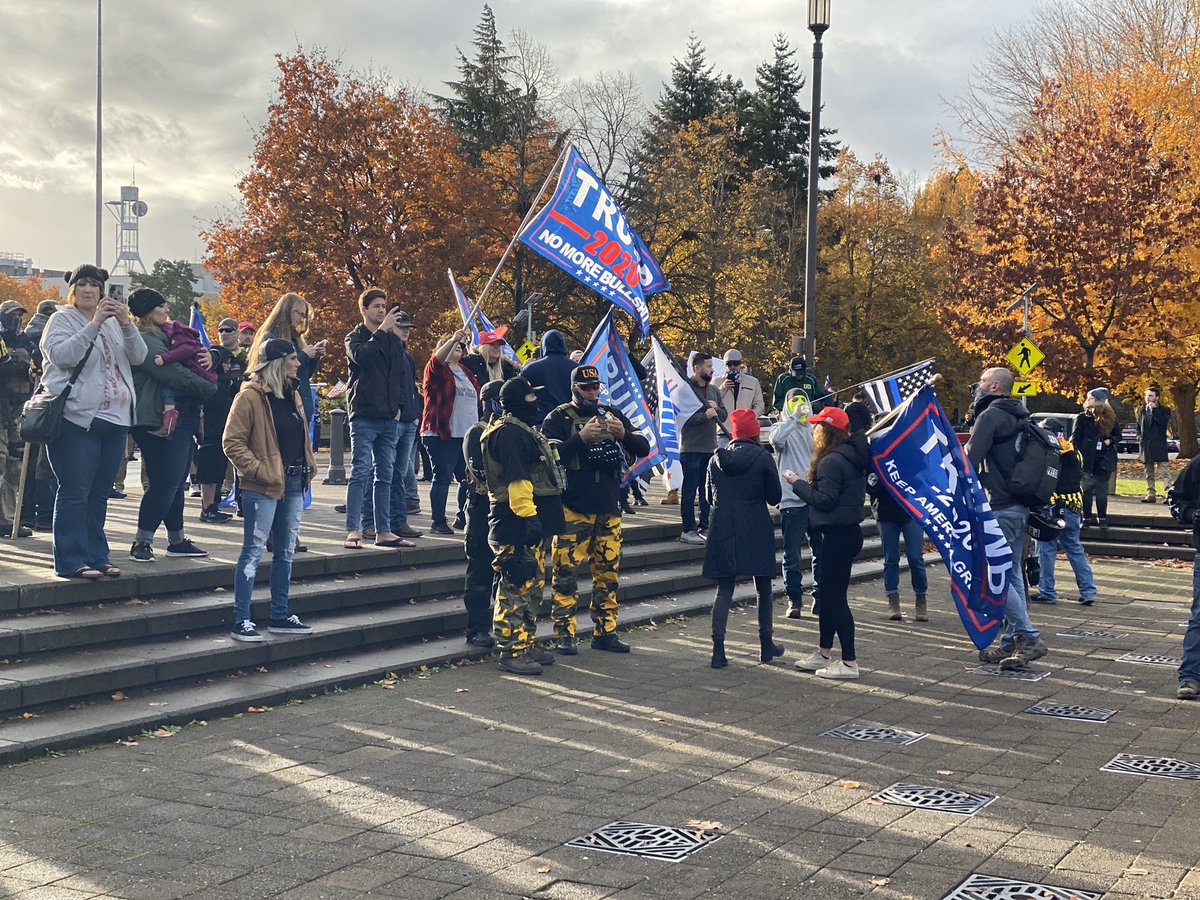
1184	396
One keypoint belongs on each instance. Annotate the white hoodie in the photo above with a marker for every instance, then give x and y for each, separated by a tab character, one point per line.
792	439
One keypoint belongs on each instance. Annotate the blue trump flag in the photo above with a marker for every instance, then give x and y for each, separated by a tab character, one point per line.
582	231
621	390
924	467
464	310
197	325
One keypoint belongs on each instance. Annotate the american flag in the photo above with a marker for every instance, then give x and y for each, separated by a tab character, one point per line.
336	390
890	391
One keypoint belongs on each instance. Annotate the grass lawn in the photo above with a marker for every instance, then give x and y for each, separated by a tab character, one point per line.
1131	480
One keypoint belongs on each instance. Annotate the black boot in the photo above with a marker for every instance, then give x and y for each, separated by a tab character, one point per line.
718	657
768	648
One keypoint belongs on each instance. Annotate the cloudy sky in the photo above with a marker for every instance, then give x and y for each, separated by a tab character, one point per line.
186	82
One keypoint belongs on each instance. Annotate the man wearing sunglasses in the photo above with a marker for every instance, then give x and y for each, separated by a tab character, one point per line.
740	390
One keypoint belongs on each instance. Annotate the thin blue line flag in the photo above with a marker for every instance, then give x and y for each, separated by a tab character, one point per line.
621	390
583	232
923	466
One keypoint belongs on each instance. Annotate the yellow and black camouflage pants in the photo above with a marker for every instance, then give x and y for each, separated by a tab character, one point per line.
594	536
515	619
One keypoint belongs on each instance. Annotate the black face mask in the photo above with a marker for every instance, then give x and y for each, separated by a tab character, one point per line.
586	405
527	412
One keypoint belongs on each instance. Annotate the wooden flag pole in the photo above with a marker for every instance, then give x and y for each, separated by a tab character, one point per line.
533	208
16	522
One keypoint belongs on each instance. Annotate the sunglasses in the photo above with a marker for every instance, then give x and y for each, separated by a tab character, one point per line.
226	330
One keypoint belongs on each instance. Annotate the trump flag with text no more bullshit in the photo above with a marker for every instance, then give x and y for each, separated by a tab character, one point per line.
583	231
922	464
621	390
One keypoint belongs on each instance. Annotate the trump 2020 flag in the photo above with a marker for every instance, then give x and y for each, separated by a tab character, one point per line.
677	402
464	310
621	390
922	464
582	231
197	325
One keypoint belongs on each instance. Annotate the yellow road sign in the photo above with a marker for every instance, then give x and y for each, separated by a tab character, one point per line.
1025	356
1025	388
526	350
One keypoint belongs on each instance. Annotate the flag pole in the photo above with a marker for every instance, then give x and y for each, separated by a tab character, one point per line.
887	419
525	221
884	375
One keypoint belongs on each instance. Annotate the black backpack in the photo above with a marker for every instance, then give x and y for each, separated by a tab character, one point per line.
1034	477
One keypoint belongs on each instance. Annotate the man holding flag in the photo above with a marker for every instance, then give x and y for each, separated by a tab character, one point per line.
593	442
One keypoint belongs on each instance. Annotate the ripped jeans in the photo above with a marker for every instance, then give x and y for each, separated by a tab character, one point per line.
263	515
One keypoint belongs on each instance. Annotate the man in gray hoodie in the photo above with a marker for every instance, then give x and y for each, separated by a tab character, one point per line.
793	442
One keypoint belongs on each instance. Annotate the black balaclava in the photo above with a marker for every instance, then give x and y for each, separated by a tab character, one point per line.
512	399
585	404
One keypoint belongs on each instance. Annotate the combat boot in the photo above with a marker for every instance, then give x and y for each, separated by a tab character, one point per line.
1024	652
894	607
609	642
994	654
921	613
540	655
718	655
520	665
768	649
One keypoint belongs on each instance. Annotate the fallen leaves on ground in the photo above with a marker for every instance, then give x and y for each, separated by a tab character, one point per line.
256	709
119	695
134	601
849	785
542	870
881	881
703	824
945	772
262	670
163	732
462	690
1135	871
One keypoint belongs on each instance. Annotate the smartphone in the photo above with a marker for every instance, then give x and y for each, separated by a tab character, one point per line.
117	292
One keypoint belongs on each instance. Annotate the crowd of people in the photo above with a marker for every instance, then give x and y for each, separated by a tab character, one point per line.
535	462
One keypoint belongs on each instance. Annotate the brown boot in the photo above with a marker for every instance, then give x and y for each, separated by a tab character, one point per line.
921	614
894	608
671	498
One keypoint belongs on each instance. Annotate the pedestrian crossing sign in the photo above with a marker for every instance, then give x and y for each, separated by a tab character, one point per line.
1025	356
1025	388
526	350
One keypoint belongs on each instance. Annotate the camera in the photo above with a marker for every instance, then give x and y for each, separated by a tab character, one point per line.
117	292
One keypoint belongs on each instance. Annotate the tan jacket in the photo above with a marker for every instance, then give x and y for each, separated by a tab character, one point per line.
252	446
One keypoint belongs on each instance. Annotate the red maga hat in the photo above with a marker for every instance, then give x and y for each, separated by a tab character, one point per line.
833	417
495	336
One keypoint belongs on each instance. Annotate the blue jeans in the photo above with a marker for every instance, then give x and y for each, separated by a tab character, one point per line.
695	480
166	461
85	461
263	516
402	473
794	521
373	455
1069	542
410	473
1012	520
1189	669
448	465
914	549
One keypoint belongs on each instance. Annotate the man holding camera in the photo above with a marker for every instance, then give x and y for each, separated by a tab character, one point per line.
525	489
593	441
739	389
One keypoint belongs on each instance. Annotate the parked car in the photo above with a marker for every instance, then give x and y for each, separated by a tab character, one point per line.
1129	440
1068	418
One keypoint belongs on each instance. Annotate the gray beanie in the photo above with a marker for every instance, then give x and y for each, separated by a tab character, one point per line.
1099	394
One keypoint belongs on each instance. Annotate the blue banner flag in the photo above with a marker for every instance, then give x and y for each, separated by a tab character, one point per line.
924	467
582	231
677	400
464	310
621	390
197	325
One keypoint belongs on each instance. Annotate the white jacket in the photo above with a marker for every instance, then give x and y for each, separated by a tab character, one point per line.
66	339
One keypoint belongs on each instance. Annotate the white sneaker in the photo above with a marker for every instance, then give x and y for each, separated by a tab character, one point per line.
813	663
691	537
839	670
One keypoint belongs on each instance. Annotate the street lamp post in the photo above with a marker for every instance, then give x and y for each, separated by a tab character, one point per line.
818	23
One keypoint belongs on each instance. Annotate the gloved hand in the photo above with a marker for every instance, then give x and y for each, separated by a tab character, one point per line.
519	568
533	531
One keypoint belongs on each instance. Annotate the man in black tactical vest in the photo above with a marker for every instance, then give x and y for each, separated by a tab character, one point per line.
593	443
525	488
480	578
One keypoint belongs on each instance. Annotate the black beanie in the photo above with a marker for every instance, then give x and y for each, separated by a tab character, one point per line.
87	270
144	299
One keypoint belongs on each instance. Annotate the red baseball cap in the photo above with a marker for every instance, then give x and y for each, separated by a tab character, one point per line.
495	336
246	326
833	417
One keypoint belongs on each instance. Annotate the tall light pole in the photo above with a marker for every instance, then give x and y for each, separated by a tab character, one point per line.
818	23
99	148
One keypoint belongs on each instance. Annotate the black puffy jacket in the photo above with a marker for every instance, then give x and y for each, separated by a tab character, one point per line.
837	494
742	480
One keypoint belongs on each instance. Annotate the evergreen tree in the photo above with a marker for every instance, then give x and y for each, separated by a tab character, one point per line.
777	128
481	110
694	92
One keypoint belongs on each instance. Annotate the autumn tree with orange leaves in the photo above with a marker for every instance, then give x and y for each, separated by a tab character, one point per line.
1090	212
352	182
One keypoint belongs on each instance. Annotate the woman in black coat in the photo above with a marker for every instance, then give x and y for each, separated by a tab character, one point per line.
742	480
835	490
1095	436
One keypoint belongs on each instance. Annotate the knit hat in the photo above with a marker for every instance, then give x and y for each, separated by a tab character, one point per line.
48	307
832	416
12	306
144	299
743	423
87	270
271	350
1100	394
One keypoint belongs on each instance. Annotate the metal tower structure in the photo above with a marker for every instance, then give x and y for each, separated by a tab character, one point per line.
128	211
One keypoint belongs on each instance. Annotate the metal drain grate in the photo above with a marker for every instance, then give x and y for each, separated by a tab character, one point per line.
1153	766
991	887
1097	635
956	801
875	734
1017	674
1145	659
1066	711
661	842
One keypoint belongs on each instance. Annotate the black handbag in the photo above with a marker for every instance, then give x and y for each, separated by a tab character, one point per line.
42	415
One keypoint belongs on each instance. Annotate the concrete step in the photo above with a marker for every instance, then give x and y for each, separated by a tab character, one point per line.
284	669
